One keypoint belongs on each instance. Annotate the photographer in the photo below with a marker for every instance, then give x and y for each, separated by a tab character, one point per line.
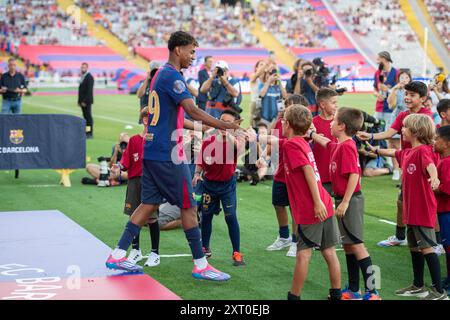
385	78
438	89
293	84
307	86
224	92
94	169
272	94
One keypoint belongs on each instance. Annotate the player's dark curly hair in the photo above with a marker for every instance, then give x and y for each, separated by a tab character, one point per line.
181	39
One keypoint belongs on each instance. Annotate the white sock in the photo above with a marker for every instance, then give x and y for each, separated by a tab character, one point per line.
118	253
201	263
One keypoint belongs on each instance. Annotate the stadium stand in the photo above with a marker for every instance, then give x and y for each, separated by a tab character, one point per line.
378	25
294	23
41	23
150	23
439	12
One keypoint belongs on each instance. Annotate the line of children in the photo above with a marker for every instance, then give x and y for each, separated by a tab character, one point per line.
132	163
419	179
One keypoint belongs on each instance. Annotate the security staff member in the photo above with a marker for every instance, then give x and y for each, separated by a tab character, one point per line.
12	88
86	98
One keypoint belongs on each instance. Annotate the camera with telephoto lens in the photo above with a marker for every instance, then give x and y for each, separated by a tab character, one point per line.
309	72
220	72
103	180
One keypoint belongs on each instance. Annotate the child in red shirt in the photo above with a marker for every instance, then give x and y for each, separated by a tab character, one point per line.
311	205
419	179
327	102
217	164
443	109
345	174
442	146
132	163
416	93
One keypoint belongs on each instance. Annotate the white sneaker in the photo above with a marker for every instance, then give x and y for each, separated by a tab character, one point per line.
135	256
439	249
153	260
392	241
279	244
292	252
396	175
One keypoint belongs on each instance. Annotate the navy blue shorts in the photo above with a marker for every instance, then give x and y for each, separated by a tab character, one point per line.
165	181
215	192
280	196
444	223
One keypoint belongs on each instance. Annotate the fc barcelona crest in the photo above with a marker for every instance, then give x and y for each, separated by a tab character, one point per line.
16	136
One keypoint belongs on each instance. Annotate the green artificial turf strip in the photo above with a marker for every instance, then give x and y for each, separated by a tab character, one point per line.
267	275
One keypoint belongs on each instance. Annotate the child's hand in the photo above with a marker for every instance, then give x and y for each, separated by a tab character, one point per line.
371	147
197	178
363	136
434	183
341	209
320	211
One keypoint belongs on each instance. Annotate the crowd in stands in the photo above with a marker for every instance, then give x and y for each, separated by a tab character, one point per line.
150	23
40	23
295	24
381	25
439	11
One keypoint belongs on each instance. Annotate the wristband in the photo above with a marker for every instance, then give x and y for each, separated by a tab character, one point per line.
372	136
376	152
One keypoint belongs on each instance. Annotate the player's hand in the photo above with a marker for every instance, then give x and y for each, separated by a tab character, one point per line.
320	211
434	182
341	209
196	179
3	90
363	136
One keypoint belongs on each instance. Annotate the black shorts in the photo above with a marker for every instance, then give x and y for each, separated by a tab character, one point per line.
133	196
280	196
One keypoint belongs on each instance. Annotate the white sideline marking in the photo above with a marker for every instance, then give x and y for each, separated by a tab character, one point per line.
42	185
76	112
172	255
388	222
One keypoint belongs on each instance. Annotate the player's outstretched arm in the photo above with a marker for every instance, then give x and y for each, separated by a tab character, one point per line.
381	152
320	139
199	115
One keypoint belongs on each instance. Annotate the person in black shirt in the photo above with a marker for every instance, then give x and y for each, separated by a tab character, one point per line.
12	88
86	98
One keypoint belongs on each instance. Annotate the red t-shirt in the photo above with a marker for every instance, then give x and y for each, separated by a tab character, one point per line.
132	157
279	172
398	124
321	154
419	201
298	154
443	200
218	159
344	160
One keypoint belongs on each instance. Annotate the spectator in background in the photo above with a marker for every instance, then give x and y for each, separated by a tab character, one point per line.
396	102
203	75
144	90
272	94
12	88
86	98
224	91
385	78
255	100
438	89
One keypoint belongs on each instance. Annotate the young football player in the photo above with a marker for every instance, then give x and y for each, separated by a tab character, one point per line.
443	108
419	179
345	175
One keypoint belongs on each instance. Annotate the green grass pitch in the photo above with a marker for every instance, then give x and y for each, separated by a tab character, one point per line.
267	275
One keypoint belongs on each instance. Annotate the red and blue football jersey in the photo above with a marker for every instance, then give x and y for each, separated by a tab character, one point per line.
164	138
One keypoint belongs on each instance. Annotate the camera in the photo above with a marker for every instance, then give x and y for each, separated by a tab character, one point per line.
219	72
103	180
274	71
309	72
340	91
123	145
